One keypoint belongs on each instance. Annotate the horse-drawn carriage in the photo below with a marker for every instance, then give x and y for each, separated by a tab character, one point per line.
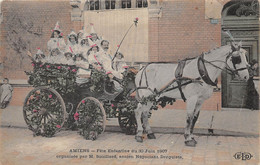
57	101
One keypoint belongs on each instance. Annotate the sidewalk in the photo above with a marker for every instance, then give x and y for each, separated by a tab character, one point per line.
233	122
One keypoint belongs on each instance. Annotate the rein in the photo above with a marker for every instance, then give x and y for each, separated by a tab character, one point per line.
227	67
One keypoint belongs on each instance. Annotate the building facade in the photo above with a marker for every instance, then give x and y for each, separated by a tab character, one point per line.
168	30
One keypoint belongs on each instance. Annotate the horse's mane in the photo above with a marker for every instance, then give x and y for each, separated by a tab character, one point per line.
223	50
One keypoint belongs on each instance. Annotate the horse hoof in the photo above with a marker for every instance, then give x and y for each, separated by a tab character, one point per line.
151	136
190	143
139	139
194	140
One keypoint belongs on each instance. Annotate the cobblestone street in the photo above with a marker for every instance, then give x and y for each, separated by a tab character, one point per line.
19	147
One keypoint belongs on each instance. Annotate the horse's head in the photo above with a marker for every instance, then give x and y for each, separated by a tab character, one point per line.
237	61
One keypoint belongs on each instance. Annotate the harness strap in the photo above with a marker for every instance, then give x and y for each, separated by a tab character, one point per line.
144	73
203	71
180	89
178	75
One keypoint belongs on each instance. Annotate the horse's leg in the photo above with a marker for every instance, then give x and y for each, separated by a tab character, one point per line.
196	116
150	134
138	114
191	103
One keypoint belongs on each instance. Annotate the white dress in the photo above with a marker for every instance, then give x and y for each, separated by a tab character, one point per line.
83	65
93	58
119	65
54	43
7	91
73	48
106	61
54	59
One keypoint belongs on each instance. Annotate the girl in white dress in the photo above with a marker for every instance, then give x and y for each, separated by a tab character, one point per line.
56	40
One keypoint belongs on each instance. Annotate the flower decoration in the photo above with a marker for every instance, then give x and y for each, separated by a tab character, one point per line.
136	21
59	67
76	116
58	126
50	96
112	105
69	68
74	70
35	111
33	64
41	65
83	101
48	66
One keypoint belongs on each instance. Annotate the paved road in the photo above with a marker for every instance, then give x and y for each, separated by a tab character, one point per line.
19	147
234	122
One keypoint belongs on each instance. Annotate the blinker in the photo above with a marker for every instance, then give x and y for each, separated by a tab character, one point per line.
236	60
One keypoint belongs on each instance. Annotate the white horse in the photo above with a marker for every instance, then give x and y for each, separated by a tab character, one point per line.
155	76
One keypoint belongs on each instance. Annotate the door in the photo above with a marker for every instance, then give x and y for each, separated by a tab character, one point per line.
243	26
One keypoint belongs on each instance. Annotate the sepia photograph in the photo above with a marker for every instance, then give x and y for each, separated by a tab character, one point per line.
129	82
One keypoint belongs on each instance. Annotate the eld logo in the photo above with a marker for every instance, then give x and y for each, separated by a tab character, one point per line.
243	156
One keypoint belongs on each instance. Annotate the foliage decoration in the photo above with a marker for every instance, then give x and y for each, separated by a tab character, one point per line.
60	77
90	117
43	112
97	80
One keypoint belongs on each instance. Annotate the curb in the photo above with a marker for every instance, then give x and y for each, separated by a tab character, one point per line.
197	131
168	130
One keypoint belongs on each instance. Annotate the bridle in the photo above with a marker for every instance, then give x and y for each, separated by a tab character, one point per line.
227	68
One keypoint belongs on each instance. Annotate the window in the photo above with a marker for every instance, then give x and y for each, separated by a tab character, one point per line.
94	5
126	4
141	3
110	4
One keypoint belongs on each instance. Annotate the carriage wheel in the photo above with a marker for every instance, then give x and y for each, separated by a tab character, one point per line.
44	111
91	117
127	122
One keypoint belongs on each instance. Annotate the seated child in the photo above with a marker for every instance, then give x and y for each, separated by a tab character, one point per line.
83	72
119	63
38	57
55	57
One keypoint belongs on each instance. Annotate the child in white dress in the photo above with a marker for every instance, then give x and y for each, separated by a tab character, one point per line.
7	91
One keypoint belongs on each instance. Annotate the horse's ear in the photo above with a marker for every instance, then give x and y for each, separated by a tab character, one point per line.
239	45
233	47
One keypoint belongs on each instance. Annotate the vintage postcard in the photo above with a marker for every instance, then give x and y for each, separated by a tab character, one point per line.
129	82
